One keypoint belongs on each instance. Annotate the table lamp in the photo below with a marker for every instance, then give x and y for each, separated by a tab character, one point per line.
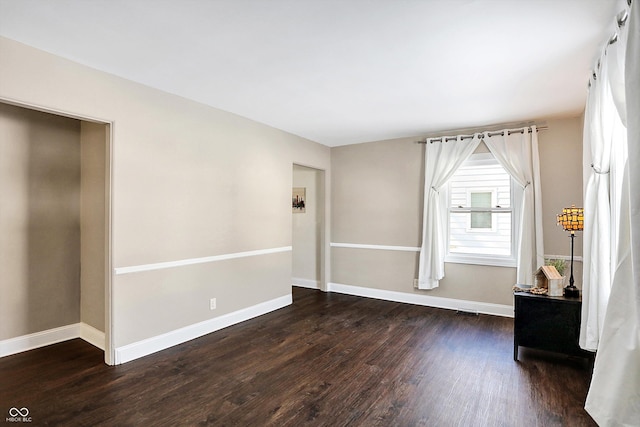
572	220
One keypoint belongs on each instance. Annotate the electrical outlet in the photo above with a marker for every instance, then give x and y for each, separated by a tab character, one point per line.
212	304
415	283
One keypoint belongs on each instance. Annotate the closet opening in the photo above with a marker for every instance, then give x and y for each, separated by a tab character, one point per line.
55	219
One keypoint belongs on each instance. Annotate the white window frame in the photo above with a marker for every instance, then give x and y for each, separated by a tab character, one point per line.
516	194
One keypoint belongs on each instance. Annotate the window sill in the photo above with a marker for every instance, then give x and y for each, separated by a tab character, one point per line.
481	260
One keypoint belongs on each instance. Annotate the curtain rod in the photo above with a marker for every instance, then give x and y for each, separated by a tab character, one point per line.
483	135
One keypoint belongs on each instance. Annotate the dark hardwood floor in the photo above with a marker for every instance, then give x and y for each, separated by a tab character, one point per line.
329	359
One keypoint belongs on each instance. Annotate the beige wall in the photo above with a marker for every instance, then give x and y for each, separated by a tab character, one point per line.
308	227
561	176
189	181
93	167
377	200
39	221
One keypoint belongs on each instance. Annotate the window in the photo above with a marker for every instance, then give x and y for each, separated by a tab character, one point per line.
481	220
481	214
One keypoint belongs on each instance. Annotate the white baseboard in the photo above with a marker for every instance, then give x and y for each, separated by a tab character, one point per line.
305	283
92	335
151	345
52	336
426	300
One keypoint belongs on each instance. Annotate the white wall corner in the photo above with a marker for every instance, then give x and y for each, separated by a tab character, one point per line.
151	345
92	335
425	300
305	283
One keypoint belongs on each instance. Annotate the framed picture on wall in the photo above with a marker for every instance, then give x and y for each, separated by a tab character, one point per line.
298	199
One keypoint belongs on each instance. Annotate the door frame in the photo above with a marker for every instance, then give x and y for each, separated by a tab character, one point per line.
325	237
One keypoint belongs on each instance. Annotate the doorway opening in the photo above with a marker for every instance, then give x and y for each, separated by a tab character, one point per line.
55	258
308	266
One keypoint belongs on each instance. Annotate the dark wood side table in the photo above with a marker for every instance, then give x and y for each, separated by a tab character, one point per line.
548	323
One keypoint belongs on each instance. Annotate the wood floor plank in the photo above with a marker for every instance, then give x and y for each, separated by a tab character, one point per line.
326	360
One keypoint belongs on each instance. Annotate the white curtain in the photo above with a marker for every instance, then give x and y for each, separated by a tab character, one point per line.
598	131
518	154
605	154
442	158
614	394
632	88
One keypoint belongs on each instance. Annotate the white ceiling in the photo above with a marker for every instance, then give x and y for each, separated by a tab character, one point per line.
338	71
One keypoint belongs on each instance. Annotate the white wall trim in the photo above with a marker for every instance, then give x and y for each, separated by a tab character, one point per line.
564	257
92	335
426	300
202	260
57	112
417	249
305	283
52	336
151	345
378	247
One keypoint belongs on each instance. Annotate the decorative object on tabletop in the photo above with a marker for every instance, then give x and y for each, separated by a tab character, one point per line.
572	220
539	291
559	264
535	291
547	277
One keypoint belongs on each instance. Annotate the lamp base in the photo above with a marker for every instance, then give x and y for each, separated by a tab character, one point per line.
571	292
